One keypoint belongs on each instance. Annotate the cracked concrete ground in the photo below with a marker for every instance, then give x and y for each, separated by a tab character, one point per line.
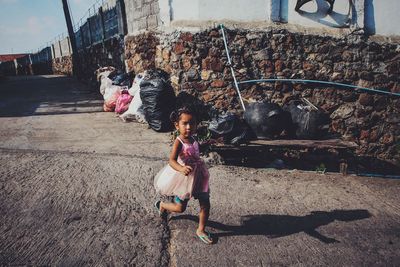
76	188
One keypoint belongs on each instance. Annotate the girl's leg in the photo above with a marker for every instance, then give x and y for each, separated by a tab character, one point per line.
178	206
203	218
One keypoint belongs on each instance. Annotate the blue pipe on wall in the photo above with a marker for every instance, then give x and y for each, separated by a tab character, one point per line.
321	82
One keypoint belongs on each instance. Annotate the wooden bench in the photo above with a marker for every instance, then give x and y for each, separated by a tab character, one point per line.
344	148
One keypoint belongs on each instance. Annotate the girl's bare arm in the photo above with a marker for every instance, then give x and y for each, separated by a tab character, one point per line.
176	149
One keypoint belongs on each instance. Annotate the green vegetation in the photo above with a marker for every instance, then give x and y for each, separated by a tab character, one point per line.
320	168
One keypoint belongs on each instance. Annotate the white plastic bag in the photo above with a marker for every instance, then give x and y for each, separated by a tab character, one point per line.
133	110
104	83
109	91
102	74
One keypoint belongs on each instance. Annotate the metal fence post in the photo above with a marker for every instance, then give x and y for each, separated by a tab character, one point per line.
82	38
121	13
103	29
59	45
90	32
53	51
69	45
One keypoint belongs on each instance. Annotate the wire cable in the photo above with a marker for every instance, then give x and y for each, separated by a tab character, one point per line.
237	83
381	91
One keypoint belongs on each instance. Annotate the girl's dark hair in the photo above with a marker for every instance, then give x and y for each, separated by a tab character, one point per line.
175	115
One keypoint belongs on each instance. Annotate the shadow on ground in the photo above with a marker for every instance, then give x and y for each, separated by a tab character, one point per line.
321	160
275	226
46	95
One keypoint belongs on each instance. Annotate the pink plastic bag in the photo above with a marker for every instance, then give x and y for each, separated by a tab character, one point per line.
123	102
109	104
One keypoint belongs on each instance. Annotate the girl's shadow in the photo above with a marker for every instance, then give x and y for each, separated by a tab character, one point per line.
274	226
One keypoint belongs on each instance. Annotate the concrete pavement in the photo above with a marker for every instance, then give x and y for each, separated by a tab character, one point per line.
76	188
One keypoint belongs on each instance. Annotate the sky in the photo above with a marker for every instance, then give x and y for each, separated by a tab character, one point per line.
27	25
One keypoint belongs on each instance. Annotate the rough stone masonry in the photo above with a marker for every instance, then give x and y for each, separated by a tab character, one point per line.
197	64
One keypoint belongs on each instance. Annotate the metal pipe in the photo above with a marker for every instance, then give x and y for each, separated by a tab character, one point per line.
321	82
230	66
390	176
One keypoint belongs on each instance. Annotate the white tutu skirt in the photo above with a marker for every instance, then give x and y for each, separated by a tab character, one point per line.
169	182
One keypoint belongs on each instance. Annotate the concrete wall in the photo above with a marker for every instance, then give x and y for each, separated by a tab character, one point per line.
65	47
142	14
375	17
109	4
56	51
61	48
204	10
386	15
378	17
315	14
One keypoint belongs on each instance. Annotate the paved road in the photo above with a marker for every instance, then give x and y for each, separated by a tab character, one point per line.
76	189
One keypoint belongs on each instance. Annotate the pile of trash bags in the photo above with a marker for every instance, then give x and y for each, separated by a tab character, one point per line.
267	120
147	97
298	119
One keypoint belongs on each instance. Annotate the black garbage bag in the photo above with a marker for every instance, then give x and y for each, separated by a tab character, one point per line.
267	120
124	79
158	99
114	74
230	127
309	122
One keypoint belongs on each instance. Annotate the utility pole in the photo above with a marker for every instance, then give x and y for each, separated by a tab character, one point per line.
75	56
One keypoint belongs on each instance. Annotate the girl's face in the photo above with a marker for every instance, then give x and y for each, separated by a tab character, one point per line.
186	125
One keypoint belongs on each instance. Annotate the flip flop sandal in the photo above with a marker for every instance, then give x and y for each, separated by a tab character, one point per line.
206	238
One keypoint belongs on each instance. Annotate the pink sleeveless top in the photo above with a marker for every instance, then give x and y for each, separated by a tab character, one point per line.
173	183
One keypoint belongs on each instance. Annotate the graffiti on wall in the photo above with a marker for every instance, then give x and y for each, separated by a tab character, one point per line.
355	17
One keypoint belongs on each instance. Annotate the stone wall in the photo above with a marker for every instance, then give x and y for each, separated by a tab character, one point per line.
197	65
140	51
62	65
109	53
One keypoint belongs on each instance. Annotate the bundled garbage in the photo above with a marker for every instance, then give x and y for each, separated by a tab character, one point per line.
115	89
267	120
135	109
147	97
309	122
123	102
297	119
123	79
111	95
230	128
158	99
102	75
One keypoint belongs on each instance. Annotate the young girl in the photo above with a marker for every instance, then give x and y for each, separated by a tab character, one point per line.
186	174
